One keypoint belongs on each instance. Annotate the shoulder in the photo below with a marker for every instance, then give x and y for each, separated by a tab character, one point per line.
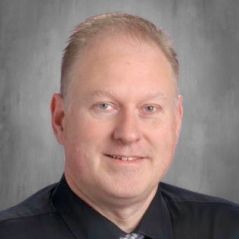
36	204
27	215
201	212
182	195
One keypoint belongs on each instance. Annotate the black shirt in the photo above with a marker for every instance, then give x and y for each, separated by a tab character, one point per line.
56	212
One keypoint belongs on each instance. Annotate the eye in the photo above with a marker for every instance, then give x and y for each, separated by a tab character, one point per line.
151	109
104	107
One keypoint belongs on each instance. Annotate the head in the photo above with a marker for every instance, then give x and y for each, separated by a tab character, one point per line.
119	114
110	24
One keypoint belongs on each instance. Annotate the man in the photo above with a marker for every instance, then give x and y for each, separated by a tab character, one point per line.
118	116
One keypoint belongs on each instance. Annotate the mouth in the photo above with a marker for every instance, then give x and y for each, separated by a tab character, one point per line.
124	157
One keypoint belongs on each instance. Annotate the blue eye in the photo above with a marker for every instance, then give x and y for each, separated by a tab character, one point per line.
104	107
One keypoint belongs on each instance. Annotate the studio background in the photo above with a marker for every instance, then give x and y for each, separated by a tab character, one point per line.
33	35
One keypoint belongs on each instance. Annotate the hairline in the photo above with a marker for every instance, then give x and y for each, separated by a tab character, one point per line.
86	36
68	77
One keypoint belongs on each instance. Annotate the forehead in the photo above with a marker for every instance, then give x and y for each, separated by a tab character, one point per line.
120	60
117	47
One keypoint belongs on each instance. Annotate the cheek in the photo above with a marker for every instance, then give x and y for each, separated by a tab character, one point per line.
165	128
84	136
80	153
83	126
77	128
164	138
164	147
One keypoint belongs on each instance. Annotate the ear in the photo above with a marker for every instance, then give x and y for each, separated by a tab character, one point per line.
179	114
57	117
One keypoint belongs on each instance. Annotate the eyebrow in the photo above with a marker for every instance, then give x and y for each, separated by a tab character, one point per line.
110	94
98	93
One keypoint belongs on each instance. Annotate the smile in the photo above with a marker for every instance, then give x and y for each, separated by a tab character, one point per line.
123	157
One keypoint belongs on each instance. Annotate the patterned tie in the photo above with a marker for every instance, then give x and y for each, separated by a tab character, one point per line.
132	236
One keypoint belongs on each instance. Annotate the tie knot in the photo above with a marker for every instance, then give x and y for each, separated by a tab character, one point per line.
132	236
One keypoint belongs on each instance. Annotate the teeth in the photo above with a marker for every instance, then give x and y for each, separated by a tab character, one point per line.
123	158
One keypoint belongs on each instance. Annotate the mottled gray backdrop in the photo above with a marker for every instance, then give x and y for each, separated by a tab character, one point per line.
205	33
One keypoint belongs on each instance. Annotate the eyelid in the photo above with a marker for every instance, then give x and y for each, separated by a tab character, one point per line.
157	108
97	107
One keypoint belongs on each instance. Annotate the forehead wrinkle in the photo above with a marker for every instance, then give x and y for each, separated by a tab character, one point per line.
99	93
112	94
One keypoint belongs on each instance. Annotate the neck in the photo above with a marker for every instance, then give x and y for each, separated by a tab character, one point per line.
126	215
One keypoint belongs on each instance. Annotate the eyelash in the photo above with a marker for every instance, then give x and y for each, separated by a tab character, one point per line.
103	107
150	107
156	109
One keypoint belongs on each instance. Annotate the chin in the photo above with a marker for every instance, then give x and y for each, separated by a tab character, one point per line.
131	191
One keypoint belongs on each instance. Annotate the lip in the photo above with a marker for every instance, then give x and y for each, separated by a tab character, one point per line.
125	158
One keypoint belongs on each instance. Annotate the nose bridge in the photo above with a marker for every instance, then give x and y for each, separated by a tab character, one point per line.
127	127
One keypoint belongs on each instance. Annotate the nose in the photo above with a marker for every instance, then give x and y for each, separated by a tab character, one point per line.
127	130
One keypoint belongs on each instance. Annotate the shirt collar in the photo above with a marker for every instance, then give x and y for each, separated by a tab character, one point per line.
156	222
85	222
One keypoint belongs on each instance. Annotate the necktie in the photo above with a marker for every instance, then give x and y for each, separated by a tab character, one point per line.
132	236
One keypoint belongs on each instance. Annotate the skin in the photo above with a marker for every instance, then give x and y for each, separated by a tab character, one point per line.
122	100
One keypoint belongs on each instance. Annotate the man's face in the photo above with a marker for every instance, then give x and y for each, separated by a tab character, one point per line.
121	120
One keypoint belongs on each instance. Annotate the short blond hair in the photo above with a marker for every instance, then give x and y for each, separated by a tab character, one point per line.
120	23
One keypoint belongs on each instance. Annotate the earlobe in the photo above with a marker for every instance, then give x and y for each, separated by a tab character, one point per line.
57	116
